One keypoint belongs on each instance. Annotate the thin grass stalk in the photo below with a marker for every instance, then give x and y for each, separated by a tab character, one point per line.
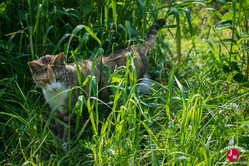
20	43
95	102
46	126
106	14
37	28
20	144
101	70
70	113
153	137
142	11
81	84
184	113
247	43
133	76
89	106
131	105
154	161
31	42
101	24
134	106
118	132
234	3
114	14
39	147
197	112
212	27
126	78
169	93
30	13
190	27
166	144
247	69
134	14
178	37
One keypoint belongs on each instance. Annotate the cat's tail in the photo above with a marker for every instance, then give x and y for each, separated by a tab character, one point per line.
151	36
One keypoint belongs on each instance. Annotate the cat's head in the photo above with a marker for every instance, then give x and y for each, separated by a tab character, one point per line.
48	72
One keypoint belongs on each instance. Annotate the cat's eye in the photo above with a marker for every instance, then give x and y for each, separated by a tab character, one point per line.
45	81
59	77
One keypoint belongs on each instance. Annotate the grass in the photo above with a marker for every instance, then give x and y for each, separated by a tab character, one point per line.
196	112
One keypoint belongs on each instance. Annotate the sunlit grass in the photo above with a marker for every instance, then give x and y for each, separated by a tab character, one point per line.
195	110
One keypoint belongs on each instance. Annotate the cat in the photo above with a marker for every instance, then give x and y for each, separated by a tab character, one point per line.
56	78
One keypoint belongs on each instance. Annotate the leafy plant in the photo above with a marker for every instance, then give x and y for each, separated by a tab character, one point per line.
235	24
197	107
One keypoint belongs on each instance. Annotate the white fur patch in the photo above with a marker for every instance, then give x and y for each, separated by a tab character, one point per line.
58	96
64	145
54	85
144	85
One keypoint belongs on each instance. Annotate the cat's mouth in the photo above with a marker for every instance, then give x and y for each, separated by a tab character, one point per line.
54	86
54	89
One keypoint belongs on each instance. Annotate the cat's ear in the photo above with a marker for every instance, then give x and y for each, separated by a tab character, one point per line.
34	66
59	59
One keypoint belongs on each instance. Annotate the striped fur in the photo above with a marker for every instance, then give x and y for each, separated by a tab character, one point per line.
55	77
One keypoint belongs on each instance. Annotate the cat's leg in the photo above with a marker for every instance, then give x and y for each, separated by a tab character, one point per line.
144	85
66	131
57	128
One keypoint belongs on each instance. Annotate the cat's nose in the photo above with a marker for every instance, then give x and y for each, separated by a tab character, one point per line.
54	89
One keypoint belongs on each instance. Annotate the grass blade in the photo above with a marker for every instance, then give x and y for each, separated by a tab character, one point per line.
190	25
114	13
178	36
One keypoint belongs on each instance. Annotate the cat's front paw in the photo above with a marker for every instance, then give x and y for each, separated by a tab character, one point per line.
64	145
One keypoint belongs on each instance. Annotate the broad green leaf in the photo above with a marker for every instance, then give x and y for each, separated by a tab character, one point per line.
190	25
225	24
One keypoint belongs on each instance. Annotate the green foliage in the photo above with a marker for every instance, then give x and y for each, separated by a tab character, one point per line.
235	24
199	67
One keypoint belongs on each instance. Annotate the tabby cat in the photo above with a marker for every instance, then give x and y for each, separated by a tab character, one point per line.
56	78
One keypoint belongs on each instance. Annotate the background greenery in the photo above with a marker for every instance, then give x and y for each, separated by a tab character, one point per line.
200	67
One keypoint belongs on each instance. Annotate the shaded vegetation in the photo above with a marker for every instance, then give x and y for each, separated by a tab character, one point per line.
198	106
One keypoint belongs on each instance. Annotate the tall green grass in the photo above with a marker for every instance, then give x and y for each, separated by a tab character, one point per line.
197	107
